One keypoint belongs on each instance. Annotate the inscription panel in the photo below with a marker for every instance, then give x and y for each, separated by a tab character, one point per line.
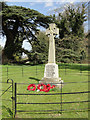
50	71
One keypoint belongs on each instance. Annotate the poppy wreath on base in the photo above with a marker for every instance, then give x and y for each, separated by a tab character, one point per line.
39	87
48	87
53	86
31	85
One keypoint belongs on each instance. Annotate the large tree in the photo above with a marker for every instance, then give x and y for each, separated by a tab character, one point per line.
18	24
71	19
71	46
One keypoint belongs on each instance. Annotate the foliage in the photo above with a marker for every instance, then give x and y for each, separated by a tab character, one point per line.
39	53
18	24
71	20
72	46
71	49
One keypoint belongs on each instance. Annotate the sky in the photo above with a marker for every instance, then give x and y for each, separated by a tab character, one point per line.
43	6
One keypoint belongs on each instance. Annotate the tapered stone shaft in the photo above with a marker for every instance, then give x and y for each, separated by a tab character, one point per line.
51	56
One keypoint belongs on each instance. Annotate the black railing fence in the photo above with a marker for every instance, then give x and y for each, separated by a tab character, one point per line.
60	103
7	89
16	94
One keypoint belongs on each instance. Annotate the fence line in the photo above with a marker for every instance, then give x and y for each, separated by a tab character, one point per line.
56	102
22	70
9	81
59	83
6	90
61	103
63	110
40	103
55	93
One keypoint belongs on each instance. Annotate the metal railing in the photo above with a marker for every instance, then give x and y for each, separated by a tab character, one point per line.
9	81
61	103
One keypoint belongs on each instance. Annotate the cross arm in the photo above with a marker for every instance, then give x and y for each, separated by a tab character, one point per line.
48	31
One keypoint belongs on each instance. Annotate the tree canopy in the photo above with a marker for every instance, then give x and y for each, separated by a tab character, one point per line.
71	47
71	20
39	52
18	24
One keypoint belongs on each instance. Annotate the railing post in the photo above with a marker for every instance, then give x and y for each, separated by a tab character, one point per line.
7	72
36	70
80	69
12	96
15	99
65	69
22	71
61	97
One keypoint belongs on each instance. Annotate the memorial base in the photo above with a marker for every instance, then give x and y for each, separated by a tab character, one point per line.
53	81
51	75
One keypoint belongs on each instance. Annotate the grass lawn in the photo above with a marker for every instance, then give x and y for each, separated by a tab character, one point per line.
32	74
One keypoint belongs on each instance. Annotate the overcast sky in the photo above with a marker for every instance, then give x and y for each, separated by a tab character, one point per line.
43	6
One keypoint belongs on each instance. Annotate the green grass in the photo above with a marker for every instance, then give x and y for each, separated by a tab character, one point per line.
32	74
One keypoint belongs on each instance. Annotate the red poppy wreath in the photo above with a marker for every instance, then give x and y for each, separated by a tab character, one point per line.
39	87
48	87
31	89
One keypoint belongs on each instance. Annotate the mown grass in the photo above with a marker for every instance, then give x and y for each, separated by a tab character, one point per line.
32	74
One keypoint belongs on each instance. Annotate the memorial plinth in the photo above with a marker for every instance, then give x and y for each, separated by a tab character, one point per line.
51	74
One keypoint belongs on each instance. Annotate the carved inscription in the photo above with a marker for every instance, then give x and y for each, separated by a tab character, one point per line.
50	71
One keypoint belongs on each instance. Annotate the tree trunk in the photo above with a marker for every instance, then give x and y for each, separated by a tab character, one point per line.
4	58
7	53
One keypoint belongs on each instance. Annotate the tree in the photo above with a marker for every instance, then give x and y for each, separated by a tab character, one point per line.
39	53
71	46
18	24
71	49
1	48
71	20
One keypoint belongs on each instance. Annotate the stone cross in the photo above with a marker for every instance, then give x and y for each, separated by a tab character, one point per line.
51	74
52	31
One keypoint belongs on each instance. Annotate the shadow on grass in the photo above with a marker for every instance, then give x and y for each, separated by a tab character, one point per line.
34	78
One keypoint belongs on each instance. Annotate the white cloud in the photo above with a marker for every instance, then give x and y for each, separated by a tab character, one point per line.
32	3
48	4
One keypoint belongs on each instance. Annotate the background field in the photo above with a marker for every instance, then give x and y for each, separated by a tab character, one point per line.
32	74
